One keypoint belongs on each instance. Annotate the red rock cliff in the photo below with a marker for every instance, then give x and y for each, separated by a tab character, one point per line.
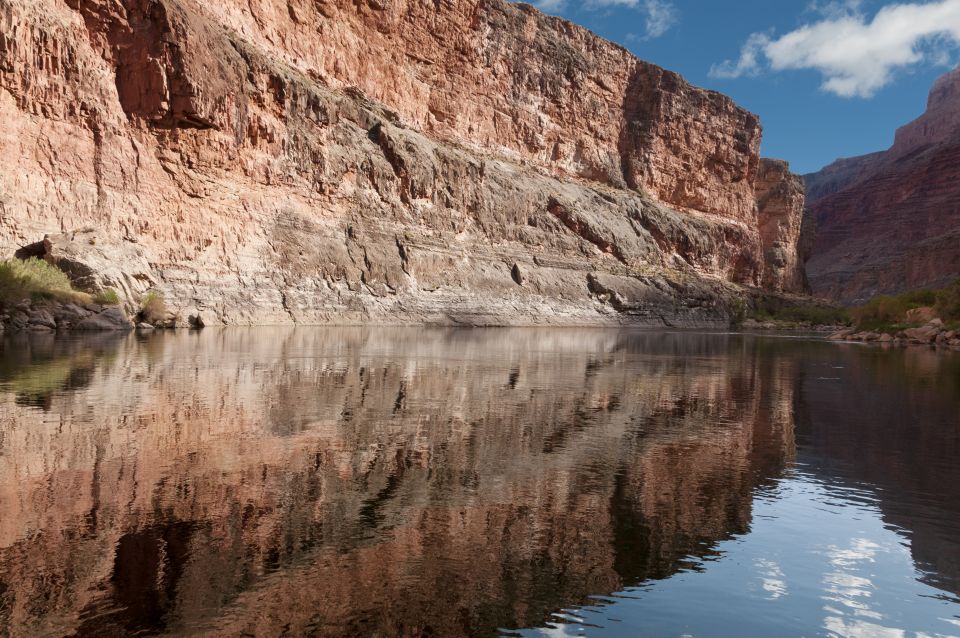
780	198
890	221
286	160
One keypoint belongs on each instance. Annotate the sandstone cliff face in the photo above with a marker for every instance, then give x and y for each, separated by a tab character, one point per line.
314	162
780	199
890	221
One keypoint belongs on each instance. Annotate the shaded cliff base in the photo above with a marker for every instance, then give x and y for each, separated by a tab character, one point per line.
74	281
537	291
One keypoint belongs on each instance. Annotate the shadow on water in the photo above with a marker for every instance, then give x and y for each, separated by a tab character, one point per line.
431	482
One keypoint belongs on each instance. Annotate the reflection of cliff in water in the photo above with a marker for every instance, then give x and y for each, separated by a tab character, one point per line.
393	481
902	447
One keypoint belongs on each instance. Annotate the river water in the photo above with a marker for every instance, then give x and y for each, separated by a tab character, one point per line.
440	482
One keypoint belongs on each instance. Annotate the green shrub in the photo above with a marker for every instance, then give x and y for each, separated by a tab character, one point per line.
35	279
889	312
948	302
107	297
883	309
794	311
152	307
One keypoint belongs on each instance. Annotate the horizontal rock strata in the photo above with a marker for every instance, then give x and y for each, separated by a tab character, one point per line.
341	162
890	222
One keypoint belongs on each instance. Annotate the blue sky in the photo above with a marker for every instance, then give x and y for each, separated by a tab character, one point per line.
828	78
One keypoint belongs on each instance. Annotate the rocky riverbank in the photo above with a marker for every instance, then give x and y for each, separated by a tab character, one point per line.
50	316
933	333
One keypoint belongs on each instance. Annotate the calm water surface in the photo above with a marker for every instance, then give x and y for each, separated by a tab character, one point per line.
389	482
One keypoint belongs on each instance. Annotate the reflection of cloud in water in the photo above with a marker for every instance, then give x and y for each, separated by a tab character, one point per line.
860	629
771	578
817	555
848	587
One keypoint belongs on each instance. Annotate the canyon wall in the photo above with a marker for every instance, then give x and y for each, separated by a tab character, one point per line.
890	221
780	199
278	161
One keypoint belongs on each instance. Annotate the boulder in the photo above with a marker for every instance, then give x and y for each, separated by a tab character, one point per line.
886	338
842	334
517	275
66	315
19	319
921	315
108	319
926	334
41	317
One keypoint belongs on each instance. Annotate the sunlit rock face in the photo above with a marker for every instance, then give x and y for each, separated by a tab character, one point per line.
889	222
780	197
389	162
368	481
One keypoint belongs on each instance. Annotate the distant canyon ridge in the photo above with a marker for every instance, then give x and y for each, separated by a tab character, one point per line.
890	221
383	161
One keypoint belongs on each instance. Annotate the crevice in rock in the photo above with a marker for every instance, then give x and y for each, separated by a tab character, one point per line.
404	257
605	294
583	230
377	135
97	129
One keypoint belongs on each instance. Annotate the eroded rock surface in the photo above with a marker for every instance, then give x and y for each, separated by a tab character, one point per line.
340	162
780	196
890	221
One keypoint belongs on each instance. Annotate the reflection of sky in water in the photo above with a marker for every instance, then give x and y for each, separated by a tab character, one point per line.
816	556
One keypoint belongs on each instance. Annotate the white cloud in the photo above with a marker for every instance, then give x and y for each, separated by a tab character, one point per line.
659	15
856	56
550	6
749	61
834	8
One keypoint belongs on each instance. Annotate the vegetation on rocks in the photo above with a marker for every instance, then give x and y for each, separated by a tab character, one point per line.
107	297
930	317
35	279
153	309
794	312
948	303
889	313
